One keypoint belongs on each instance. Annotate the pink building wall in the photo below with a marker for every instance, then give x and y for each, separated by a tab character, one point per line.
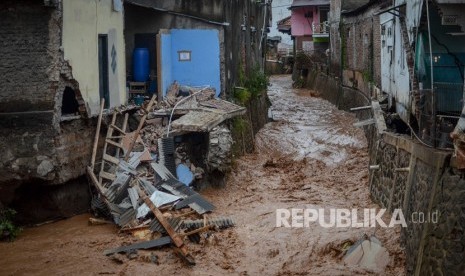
300	24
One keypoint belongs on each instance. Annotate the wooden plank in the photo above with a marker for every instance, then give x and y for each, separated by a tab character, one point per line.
175	237
139	128
95	181
117	128
111	142
379	118
197	230
107	175
110	159
124	128
364	123
97	134
360	108
109	134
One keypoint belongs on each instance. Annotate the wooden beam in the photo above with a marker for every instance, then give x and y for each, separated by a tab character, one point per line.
95	181
97	134
175	237
379	118
360	108
364	123
139	128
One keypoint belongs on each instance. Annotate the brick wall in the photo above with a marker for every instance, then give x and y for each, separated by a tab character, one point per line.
26	60
355	47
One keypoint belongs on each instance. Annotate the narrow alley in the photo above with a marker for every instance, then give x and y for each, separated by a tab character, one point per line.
309	156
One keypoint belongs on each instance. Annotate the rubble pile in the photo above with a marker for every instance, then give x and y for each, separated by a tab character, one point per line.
143	183
177	92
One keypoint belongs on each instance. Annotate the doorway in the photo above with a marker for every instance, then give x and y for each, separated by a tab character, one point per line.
103	69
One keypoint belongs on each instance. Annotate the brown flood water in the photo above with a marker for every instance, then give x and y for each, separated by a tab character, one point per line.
310	157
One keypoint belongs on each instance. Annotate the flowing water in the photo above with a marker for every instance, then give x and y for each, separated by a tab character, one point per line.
309	157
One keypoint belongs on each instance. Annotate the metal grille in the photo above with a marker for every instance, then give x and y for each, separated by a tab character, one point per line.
439	110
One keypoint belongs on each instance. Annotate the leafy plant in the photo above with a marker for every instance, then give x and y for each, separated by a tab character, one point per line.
8	230
257	82
239	125
250	86
242	95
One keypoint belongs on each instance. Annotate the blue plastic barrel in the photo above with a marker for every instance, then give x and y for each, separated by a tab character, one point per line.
140	62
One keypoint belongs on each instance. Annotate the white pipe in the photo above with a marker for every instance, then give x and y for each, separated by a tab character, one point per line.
182	100
264	22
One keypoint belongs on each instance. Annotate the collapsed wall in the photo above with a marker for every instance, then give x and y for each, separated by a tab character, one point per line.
39	149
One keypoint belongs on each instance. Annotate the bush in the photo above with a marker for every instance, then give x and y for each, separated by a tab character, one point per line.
8	230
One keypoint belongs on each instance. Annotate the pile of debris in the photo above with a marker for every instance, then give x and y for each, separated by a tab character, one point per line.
143	183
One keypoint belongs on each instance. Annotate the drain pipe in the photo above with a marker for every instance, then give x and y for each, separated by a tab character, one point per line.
181	101
433	100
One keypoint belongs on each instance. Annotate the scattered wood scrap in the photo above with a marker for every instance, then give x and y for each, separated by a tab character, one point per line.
137	187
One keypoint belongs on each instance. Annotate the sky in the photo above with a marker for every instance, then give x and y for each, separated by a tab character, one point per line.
280	11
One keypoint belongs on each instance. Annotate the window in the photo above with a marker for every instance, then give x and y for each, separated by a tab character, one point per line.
184	55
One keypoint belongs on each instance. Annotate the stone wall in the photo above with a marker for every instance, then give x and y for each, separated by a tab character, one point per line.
430	186
39	149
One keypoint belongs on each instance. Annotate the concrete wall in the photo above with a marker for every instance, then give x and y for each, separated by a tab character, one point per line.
301	25
156	21
238	48
83	21
394	68
166	61
203	68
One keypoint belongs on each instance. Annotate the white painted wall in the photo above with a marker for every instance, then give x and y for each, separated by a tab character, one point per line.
394	71
83	21
280	10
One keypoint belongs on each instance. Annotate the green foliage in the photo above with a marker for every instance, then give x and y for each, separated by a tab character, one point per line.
8	230
257	82
367	77
239	125
250	86
242	95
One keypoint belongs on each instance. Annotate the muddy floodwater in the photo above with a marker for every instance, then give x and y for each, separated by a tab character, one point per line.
310	156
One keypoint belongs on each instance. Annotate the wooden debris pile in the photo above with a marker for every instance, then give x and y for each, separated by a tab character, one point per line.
137	187
177	92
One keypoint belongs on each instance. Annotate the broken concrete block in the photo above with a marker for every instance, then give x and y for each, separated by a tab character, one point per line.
368	253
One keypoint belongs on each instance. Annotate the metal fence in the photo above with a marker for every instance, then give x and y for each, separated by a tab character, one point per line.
439	111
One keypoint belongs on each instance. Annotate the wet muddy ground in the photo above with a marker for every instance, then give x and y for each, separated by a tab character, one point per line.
309	157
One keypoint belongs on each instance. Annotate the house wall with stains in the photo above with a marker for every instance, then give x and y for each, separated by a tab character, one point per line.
83	22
